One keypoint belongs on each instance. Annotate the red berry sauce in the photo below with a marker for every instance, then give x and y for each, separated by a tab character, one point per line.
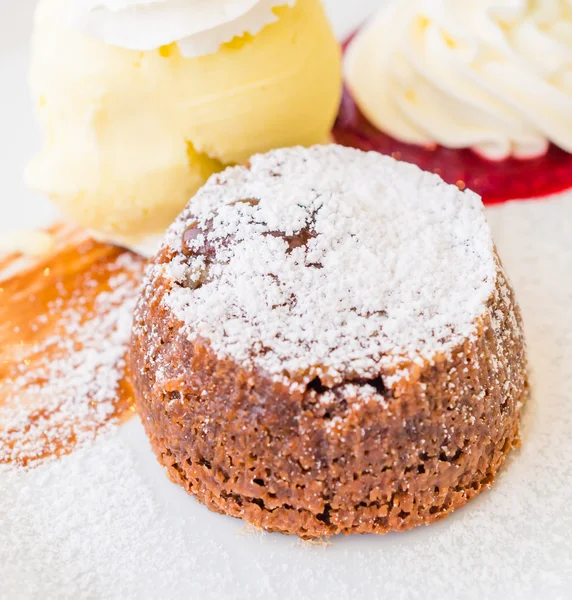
494	181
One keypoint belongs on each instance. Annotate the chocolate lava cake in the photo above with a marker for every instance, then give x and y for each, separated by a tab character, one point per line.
327	343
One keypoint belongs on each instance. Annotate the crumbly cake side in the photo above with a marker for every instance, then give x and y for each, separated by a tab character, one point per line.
316	463
329	408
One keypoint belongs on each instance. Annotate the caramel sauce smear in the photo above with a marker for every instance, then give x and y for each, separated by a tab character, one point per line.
65	322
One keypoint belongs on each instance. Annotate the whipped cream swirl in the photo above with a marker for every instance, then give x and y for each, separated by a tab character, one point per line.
491	75
199	27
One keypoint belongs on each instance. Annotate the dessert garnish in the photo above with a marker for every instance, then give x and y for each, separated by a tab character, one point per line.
478	92
65	322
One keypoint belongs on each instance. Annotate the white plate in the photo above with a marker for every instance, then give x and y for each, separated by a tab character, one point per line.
105	522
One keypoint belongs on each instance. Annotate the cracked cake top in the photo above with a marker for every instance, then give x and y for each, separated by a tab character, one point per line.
328	262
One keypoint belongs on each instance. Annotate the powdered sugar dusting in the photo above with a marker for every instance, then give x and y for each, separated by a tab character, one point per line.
329	261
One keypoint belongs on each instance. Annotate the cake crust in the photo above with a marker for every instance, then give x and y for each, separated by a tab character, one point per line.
313	455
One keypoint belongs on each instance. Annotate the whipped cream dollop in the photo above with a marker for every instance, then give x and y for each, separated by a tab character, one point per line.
491	75
199	27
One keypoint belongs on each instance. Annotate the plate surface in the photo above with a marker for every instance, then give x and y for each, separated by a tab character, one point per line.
105	522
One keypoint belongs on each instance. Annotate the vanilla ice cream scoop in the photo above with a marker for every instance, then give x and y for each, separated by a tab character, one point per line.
131	134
